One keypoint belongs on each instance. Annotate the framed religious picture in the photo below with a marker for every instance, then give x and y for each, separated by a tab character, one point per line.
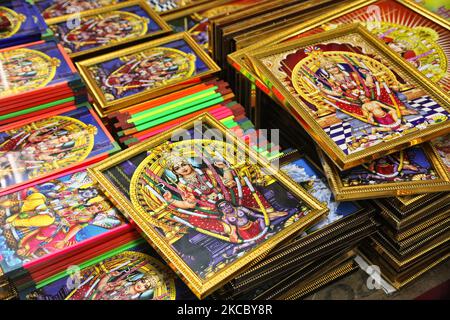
207	202
48	220
304	171
417	35
59	8
32	69
442	9
415	170
109	26
145	71
39	147
131	272
356	99
406	203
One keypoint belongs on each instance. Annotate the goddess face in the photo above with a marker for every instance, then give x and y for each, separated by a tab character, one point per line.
183	169
146	283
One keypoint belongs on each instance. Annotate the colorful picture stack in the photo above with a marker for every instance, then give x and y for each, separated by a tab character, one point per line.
377	135
37	78
220	150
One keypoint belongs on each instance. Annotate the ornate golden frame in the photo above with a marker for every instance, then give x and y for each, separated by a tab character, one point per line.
100	100
300	110
239	60
391	189
165	28
203	287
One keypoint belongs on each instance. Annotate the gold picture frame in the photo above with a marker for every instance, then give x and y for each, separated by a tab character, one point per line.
200	285
106	106
358	37
239	59
344	192
165	28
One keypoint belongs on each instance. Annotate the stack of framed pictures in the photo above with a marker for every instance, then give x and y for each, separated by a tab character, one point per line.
441	9
142	72
7	292
324	248
408	252
225	29
131	271
211	206
37	78
112	26
44	146
363	93
52	214
414	235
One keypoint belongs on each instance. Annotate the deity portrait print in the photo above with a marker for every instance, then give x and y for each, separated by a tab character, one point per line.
121	23
357	99
442	146
420	41
50	216
136	273
408	165
56	8
146	70
126	276
209	207
53	143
